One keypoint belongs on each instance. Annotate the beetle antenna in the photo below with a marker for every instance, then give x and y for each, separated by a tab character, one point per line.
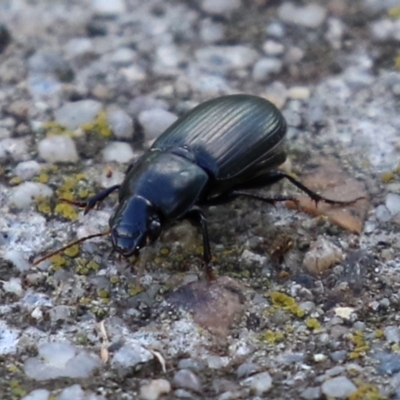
70	245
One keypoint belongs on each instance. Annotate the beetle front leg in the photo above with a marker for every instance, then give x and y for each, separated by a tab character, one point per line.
93	200
197	218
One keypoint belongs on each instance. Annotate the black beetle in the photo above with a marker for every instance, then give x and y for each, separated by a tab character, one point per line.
209	156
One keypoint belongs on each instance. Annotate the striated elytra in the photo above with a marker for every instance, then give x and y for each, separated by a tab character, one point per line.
210	156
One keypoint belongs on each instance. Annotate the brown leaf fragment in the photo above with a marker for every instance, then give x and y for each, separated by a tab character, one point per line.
328	179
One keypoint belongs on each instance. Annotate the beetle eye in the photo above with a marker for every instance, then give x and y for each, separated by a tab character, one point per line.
154	229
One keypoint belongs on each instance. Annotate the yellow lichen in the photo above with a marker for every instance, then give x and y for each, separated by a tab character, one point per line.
164	251
93	265
387	176
286	302
57	261
66	211
394	12
114	279
43	177
103	294
313	323
379	333
53	128
72	251
134	290
366	392
99	126
397	62
272	337
16	180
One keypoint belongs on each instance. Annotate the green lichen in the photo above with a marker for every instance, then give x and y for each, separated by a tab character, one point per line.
272	337
57	262
387	176
394	12
66	211
366	392
286	302
313	323
72	251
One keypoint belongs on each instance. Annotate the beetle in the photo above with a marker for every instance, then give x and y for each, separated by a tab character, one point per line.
211	155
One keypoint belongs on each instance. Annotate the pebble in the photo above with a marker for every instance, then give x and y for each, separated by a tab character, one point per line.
275	29
18	260
222	59
134	73
277	94
310	16
392	202
26	170
186	379
392	334
107	8
167	60
58	148
59	313
322	255
38	394
8	339
80	50
118	151
75	392
155	121
154	389
211	32
123	56
266	67
260	383
220	7
16	148
299	93
14	285
74	114
389	363
217	362
311	393
59	359
120	123
190	363
128	356
338	388
248	258
273	48
25	194
247	369
47	62
143	103
210	85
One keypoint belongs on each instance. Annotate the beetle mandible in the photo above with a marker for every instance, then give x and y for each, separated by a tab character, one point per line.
210	156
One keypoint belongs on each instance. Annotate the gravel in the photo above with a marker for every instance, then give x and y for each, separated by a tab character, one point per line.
300	308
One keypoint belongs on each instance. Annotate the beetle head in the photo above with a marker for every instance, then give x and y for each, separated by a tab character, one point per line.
135	224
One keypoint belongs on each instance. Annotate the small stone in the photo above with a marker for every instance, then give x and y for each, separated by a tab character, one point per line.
273	48
211	32
392	334
311	15
8	339
220	7
52	63
118	151
266	67
120	123
123	56
382	29
260	383
299	92
392	203
338	387
81	51
59	313
38	394
27	169
322	255
277	94
134	73
217	362
222	59
210	85
25	194
190	363
16	148
275	29
58	149
389	363
73	392
294	55
311	393
14	285
186	379
167	60
382	213
72	115
107	8
128	356
249	258
18	260
155	389
247	369
338	356
155	122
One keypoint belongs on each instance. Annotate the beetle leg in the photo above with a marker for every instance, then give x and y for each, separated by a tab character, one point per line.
275	176
93	200
270	200
197	218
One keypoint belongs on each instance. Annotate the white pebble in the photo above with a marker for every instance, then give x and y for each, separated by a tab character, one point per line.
23	195
14	285
134	73
322	255
17	258
128	356
273	48
167	60
16	148
260	383
117	151
123	56
155	389
155	121
120	123
73	392
27	169
37	314
266	67
108	8
311	15
392	203
277	94
211	32
74	114
299	93
338	387
58	148
57	353
220	7
38	394
79	49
